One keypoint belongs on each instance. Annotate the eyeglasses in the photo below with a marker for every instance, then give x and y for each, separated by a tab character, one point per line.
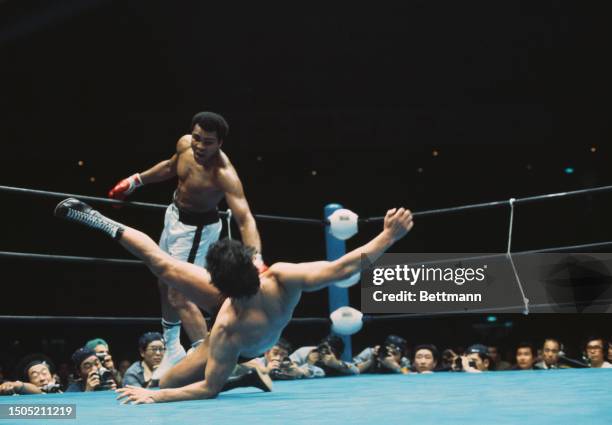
594	347
156	349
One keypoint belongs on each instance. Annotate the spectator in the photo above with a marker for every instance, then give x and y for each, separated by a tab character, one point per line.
551	350
497	363
37	377
278	365
101	348
475	360
525	356
447	360
594	349
390	357
152	348
92	376
425	358
325	356
610	350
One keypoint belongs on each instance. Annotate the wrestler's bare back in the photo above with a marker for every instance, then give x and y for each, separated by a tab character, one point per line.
257	322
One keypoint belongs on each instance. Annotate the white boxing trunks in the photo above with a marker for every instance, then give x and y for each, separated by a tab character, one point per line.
187	235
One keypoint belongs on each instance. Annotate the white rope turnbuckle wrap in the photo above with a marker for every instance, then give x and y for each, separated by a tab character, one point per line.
509	256
229	223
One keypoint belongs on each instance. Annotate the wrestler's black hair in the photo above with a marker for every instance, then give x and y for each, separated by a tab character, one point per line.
231	268
211	121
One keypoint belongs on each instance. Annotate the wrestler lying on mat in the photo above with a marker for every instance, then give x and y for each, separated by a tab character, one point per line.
256	307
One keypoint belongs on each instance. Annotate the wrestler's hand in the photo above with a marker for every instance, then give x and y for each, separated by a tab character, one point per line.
125	187
398	222
135	395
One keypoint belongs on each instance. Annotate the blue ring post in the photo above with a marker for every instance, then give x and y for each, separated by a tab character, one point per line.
338	297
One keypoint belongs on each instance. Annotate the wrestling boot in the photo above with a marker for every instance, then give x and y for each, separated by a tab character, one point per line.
252	378
79	212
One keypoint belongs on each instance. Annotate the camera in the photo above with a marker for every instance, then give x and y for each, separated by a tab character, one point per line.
283	372
458	363
50	388
106	379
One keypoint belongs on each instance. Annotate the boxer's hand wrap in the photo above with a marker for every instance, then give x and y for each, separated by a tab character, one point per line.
259	263
125	187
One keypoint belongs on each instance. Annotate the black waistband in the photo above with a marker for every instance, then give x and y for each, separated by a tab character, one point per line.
198	218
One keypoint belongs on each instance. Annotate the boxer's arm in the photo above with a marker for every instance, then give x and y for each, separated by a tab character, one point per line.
165	170
221	362
317	275
236	201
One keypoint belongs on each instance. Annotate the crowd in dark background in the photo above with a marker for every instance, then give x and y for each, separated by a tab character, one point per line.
93	368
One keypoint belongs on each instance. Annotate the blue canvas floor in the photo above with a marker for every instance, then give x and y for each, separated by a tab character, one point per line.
538	397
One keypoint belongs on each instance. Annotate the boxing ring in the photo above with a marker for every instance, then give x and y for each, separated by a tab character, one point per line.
531	397
559	397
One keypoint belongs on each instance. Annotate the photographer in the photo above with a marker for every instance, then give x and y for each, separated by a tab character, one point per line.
102	350
93	376
386	358
325	356
475	360
276	363
39	377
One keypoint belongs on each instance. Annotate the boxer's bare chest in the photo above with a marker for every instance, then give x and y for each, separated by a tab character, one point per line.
198	186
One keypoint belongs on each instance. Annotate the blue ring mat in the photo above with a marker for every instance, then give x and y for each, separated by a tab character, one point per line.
582	396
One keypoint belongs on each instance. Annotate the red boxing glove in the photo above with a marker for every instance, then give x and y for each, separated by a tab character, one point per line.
258	261
125	187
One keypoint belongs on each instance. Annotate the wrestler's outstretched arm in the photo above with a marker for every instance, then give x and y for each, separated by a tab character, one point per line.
191	280
320	274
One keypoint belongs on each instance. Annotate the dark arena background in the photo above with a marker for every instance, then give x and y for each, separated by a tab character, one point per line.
424	105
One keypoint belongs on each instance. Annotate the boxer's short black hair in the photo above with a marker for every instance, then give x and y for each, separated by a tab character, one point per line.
231	268
211	121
